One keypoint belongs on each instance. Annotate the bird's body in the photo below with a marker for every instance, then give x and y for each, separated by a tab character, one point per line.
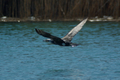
65	41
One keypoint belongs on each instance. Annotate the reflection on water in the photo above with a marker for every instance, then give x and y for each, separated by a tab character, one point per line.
24	55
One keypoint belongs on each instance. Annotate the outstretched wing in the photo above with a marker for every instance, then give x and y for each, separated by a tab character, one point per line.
74	31
56	40
45	34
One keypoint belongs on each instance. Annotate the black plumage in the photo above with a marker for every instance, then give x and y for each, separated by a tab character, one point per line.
65	41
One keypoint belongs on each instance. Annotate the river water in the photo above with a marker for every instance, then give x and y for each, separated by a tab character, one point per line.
24	55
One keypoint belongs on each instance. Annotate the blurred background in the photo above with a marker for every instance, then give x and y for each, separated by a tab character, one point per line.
60	9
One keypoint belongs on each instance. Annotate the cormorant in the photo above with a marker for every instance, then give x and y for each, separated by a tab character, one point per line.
65	41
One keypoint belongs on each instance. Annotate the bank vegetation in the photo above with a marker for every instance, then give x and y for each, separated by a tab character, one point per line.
59	9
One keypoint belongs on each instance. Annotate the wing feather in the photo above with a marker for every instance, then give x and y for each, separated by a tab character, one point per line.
74	31
56	40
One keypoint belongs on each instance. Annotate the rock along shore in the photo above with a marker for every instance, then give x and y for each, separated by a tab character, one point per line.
34	19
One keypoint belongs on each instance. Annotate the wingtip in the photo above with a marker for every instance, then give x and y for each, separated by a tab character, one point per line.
86	18
36	30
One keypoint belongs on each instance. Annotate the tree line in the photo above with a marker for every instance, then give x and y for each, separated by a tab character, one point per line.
59	9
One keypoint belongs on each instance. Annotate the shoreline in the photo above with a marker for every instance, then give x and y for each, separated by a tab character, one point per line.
33	19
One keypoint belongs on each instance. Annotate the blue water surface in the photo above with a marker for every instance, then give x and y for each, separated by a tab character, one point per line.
24	55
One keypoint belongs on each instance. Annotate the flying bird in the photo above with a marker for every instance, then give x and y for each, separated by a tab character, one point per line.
65	41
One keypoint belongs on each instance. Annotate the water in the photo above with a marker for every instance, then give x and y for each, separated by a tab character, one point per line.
24	55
